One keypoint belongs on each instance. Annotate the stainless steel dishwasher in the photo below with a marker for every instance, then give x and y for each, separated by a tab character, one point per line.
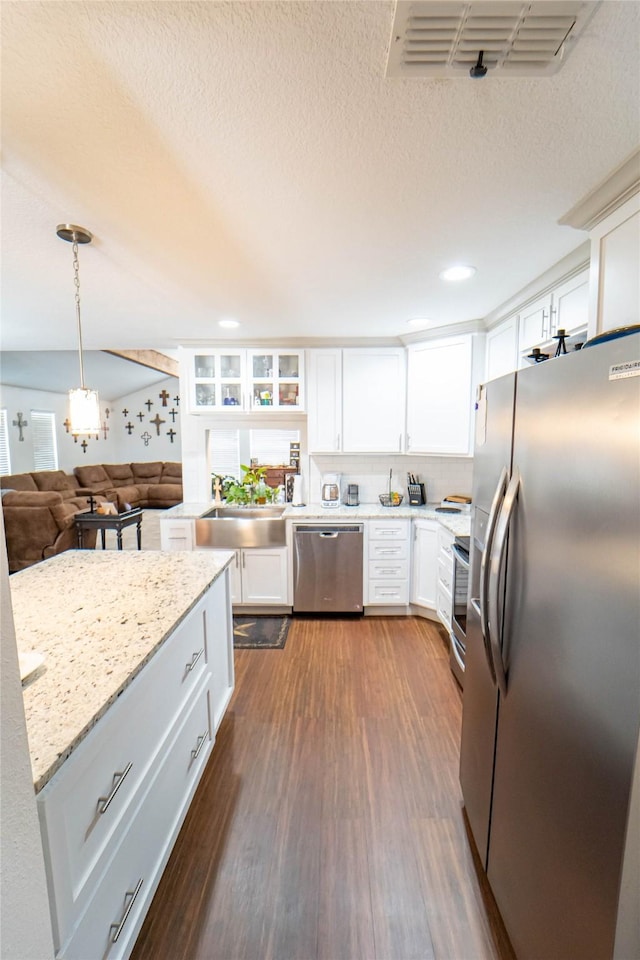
327	568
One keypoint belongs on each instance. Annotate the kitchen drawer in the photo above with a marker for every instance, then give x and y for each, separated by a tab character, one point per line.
444	606
389	591
110	764
381	550
389	529
445	557
445	543
176	535
145	848
388	569
445	577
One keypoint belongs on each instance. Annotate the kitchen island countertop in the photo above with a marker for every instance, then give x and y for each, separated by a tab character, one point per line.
456	523
97	618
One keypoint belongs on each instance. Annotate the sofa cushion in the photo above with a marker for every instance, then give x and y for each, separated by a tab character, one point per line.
147	472
56	480
95	477
120	474
134	494
164	494
18	481
171	472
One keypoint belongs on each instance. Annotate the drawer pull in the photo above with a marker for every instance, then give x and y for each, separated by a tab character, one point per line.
194	660
388	571
118	780
119	926
387	553
200	744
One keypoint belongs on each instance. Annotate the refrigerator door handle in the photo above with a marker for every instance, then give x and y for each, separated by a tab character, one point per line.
497	560
496	503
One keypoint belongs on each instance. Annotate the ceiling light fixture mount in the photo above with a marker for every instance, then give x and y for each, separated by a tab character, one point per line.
457	273
478	70
84	408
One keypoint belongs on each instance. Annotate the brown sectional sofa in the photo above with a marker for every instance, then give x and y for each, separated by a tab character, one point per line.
154	484
39	508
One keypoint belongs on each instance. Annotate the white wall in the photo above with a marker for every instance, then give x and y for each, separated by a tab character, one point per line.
25	932
130	446
118	447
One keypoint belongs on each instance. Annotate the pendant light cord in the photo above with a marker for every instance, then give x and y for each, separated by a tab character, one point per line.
76	280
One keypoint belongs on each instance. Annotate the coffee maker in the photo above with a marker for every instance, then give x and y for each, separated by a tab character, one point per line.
330	491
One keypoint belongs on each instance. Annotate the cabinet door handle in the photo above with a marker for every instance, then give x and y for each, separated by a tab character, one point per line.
118	780
243	560
194	660
119	926
400	443
202	739
338	442
545	317
408	441
553	324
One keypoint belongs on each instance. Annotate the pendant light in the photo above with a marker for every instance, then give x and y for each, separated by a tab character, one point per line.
84	408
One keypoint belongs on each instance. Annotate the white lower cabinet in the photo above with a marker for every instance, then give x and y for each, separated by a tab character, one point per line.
110	816
176	535
445	576
388	562
425	563
260	576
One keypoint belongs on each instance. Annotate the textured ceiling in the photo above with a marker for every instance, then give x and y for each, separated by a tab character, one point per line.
250	159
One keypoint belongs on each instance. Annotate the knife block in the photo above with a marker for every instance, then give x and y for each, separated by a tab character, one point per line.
417	494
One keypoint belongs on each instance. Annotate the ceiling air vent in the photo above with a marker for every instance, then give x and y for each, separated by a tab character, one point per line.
432	39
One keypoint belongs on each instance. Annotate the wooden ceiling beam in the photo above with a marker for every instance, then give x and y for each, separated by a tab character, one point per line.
148	358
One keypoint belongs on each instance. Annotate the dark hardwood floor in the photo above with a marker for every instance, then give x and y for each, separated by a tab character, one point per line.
328	823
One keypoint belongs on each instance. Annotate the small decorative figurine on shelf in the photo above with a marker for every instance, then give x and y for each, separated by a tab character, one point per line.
217	488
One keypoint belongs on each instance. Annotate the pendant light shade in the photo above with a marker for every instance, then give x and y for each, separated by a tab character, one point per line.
84	411
84	407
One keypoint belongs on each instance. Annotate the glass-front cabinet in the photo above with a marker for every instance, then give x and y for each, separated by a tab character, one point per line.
247	380
275	379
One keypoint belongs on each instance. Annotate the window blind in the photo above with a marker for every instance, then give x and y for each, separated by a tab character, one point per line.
45	448
224	453
5	455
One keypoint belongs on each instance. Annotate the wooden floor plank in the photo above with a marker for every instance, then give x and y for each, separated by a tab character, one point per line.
328	823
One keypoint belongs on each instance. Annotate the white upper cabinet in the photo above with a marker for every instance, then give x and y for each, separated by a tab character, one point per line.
615	264
373	400
570	306
502	349
535	323
324	391
440	396
238	380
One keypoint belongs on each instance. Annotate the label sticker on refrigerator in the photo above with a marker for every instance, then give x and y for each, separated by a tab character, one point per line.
620	371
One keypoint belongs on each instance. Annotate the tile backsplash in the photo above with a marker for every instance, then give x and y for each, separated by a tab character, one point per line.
441	475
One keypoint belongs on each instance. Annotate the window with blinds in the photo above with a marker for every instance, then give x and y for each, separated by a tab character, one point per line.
5	455
224	453
272	446
45	448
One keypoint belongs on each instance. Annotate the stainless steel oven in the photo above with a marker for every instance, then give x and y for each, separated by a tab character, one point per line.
459	591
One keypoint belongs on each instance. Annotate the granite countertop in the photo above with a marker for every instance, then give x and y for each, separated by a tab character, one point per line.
98	618
457	523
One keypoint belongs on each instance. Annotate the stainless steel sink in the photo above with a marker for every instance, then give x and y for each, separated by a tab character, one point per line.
234	527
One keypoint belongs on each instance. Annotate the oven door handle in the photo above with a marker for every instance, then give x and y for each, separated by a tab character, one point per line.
460	557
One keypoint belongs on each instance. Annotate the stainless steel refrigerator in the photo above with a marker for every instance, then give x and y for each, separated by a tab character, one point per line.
551	706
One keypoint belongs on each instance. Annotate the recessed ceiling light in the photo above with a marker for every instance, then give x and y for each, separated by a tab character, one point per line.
228	324
459	272
419	321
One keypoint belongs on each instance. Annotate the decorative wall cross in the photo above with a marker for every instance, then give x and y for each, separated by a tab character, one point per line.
146	436
92	503
67	424
107	412
173	414
164	396
125	413
171	434
20	423
157	420
148	404
140	416
105	428
84	446
176	400
128	427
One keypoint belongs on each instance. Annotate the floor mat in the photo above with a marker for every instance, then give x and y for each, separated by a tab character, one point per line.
260	632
